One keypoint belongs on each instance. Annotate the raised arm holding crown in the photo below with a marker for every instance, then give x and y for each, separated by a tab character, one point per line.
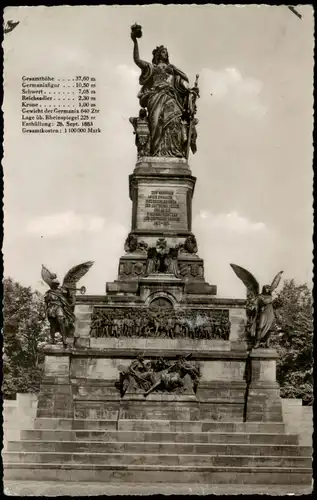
166	96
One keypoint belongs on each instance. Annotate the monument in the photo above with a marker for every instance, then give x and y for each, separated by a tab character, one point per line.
161	384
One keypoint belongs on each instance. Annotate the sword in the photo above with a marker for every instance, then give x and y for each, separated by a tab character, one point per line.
192	114
161	373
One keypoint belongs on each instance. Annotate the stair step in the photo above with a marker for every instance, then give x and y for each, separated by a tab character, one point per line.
156	474
157	459
158	447
261	427
274	417
80	488
159	451
177	437
158	425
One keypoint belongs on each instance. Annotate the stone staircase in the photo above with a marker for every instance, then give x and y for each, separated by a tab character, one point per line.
158	451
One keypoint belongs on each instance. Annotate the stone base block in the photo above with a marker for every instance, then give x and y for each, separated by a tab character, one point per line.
83	383
105	410
55	400
226	412
221	392
160	408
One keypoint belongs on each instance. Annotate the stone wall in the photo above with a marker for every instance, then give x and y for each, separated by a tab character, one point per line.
298	419
18	414
82	382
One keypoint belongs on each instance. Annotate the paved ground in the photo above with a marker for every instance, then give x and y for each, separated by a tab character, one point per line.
37	488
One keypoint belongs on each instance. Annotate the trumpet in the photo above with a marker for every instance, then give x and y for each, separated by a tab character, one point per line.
81	290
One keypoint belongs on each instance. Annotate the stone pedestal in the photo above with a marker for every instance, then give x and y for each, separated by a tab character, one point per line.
83	382
168	299
160	310
234	386
161	190
159	407
264	402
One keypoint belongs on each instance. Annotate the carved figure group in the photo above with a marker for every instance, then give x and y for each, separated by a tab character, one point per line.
161	259
180	376
260	306
190	245
133	322
60	300
132	244
167	126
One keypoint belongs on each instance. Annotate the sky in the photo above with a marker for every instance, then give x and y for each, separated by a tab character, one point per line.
66	197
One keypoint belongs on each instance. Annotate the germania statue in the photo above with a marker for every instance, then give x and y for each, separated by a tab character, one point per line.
168	103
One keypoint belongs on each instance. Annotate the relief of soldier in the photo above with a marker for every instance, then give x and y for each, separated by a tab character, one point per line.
132	322
138	374
180	376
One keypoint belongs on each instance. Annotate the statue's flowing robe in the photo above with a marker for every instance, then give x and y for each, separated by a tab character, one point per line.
57	305
172	265
266	316
164	95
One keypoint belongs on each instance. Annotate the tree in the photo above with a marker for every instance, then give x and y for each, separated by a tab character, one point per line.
292	336
24	327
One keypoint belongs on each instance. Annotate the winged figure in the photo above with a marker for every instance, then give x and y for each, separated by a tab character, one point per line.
260	306
10	26
60	300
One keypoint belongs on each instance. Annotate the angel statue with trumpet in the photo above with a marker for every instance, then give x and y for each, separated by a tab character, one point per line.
60	300
260	306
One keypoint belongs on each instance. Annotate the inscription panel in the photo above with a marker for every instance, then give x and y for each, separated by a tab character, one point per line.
162	207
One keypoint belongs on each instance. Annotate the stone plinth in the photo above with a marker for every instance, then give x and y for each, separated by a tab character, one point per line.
264	402
161	190
159	407
83	381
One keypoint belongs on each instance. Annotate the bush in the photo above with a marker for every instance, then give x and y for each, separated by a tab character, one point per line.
25	326
292	336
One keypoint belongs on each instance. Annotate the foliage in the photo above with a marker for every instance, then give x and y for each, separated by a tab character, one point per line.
292	336
24	328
